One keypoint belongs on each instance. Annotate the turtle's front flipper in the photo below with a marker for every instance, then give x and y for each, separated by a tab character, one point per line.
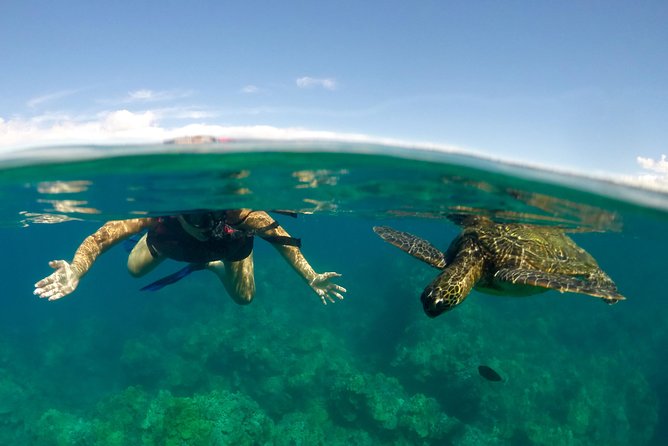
415	246
452	286
562	283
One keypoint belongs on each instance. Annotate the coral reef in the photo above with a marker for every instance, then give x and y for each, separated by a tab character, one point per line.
188	367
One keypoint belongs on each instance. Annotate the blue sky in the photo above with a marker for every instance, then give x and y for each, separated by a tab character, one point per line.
574	84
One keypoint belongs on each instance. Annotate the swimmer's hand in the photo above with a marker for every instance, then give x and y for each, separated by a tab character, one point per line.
325	289
61	283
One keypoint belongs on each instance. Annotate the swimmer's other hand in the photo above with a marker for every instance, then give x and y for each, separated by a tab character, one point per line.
325	289
60	283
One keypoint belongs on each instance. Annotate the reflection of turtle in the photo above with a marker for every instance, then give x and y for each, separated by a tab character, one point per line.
510	259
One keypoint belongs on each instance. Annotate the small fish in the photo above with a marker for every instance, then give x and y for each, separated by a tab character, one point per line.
488	373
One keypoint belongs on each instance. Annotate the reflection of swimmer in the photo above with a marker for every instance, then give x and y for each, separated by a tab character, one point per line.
506	259
221	242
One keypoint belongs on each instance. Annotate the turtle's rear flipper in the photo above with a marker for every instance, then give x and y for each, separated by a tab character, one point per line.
415	246
561	282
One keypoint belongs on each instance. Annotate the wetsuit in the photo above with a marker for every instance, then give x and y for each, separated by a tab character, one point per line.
169	239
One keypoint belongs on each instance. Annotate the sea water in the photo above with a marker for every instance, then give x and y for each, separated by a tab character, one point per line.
185	365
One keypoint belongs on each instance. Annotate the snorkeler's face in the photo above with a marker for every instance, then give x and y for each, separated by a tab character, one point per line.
204	225
199	228
203	221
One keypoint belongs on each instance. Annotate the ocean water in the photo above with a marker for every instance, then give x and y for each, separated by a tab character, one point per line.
185	365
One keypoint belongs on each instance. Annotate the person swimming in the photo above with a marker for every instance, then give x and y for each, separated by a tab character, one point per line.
220	241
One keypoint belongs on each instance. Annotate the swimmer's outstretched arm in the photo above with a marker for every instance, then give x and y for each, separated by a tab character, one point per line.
320	283
66	277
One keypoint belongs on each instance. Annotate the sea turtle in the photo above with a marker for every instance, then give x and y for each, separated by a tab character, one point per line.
503	258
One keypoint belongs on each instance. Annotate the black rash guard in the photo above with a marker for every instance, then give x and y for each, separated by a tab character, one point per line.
169	239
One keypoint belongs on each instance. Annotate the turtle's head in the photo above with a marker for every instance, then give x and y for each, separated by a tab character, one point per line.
436	300
451	287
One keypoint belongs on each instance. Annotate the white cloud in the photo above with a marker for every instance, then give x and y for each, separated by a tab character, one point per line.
146	95
658	180
188	112
124	126
250	89
660	166
124	120
141	95
39	100
114	126
310	82
191	114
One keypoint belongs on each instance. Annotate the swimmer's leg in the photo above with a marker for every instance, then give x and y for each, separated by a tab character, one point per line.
141	260
237	277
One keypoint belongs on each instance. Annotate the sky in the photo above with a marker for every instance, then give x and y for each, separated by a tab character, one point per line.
579	85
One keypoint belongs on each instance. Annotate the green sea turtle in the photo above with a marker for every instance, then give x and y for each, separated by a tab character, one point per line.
507	259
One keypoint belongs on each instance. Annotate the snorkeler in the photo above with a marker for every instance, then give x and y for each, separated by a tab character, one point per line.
220	241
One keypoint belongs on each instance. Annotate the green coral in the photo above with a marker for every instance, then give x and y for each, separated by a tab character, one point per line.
365	400
209	372
132	417
56	428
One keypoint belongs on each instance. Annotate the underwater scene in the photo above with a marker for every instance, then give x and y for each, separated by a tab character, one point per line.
485	303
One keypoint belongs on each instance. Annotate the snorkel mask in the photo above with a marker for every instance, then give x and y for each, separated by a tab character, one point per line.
210	224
